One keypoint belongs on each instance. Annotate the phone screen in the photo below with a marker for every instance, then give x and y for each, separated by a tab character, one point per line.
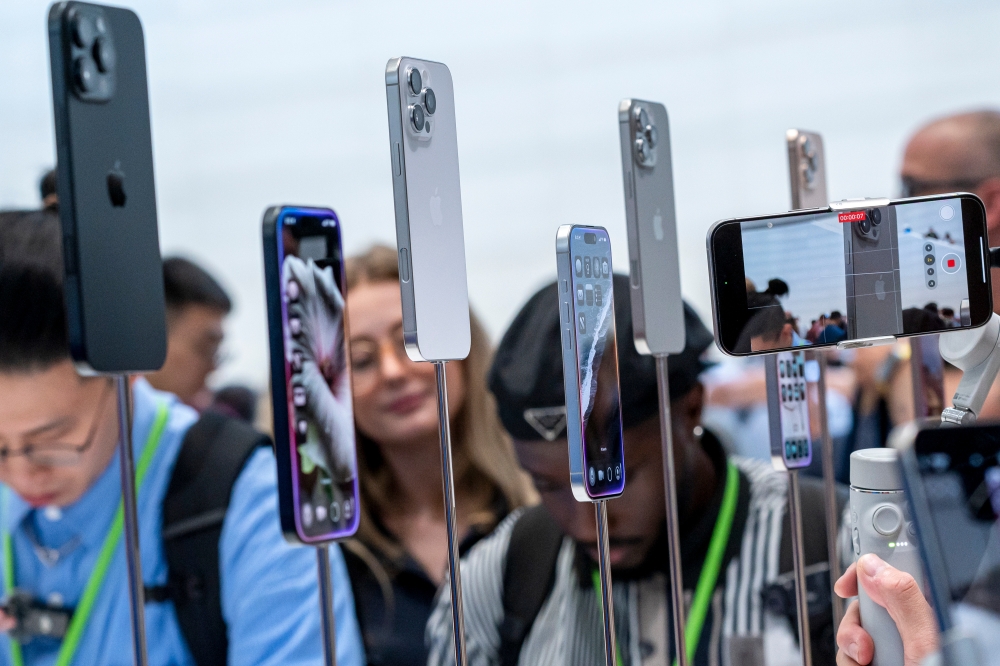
317	374
823	278
597	360
960	474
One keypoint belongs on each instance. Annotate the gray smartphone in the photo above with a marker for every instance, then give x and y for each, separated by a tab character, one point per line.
825	277
871	271
654	269
428	204
952	477
590	362
808	165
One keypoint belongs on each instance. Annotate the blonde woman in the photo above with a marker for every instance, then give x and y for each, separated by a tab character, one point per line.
400	555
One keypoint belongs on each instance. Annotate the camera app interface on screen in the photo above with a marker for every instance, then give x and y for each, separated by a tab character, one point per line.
597	358
317	376
963	491
830	277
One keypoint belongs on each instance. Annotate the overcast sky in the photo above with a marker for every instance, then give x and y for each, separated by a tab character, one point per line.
256	103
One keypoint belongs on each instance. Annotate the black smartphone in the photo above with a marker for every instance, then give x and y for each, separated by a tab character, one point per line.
116	313
854	274
314	441
952	476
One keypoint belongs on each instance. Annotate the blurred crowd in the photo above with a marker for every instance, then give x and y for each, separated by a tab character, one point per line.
511	474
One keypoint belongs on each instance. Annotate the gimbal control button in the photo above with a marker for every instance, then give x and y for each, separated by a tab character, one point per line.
887	520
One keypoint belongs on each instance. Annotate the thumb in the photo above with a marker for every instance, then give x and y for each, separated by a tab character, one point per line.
898	592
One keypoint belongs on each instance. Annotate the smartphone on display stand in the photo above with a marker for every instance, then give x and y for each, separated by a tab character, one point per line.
590	362
314	440
952	477
428	206
115	307
807	159
866	271
654	270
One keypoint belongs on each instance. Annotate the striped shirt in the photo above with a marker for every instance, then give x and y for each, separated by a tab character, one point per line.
738	630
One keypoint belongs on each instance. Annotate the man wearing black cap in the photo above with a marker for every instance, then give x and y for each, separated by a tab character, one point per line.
529	588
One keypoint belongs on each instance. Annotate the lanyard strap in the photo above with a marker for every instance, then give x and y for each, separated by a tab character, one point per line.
710	569
82	614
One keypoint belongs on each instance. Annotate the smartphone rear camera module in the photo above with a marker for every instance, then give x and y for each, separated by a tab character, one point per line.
417	117
414	79
590	238
430	101
644	138
91	55
807	161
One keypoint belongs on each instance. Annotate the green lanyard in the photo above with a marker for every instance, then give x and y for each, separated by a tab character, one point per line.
82	614
710	569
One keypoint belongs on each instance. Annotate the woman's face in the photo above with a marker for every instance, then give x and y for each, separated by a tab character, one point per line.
395	399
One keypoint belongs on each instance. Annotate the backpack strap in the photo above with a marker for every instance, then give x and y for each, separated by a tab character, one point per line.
528	577
214	452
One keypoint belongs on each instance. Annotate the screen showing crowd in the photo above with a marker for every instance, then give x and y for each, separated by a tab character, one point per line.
830	277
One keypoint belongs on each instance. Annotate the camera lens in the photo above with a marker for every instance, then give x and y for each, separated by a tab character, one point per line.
104	54
640	116
86	73
875	215
651	136
83	31
430	101
642	150
865	226
416	84
417	117
100	25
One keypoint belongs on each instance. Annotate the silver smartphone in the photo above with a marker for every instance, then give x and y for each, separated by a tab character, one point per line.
428	204
654	269
590	362
808	165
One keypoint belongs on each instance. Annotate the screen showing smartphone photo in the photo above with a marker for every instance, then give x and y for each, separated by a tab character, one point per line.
317	375
597	360
836	276
961	481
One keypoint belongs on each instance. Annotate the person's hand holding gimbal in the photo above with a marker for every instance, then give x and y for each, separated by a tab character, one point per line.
321	386
898	593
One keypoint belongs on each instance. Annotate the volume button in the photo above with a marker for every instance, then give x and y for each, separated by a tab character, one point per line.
397	159
404	265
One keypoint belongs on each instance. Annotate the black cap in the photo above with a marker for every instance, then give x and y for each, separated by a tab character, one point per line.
527	373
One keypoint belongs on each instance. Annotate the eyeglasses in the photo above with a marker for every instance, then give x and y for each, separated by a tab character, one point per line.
367	355
914	187
60	455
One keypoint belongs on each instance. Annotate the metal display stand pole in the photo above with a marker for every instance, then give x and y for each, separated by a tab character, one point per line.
607	599
326	604
448	478
673	523
807	174
829	489
137	595
927	372
799	565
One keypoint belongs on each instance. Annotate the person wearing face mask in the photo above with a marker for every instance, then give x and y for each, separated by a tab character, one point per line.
400	556
530	592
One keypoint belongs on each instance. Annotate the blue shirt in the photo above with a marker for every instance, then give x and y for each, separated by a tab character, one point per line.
270	597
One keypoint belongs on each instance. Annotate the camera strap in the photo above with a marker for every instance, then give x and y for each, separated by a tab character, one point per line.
710	568
95	582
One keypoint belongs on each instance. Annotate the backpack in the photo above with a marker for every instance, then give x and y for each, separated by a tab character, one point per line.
213	453
528	577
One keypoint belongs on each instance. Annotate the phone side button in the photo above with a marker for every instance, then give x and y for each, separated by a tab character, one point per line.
404	265
567	339
397	160
635	274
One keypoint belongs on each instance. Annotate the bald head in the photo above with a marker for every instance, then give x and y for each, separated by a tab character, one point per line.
963	149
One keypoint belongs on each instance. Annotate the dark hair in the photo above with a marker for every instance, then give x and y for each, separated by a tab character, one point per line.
32	312
835	314
777	287
47	188
187	283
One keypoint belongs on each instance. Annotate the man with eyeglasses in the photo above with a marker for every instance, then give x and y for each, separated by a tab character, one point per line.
65	589
959	153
